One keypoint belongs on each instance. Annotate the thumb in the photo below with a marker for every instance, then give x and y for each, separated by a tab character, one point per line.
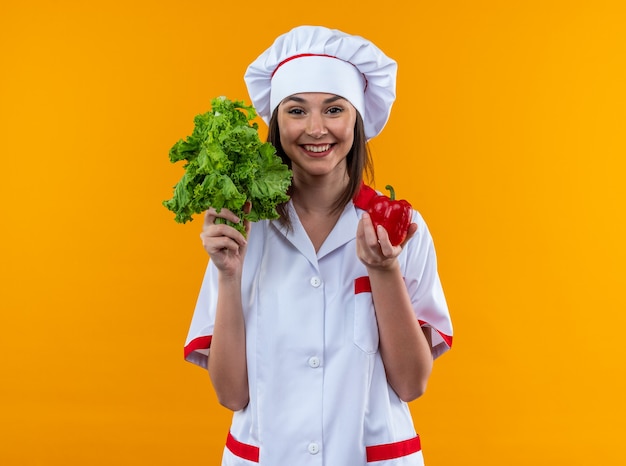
247	207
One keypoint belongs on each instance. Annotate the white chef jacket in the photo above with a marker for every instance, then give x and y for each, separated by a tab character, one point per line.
318	391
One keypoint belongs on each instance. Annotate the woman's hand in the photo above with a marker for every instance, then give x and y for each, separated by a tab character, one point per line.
373	246
224	244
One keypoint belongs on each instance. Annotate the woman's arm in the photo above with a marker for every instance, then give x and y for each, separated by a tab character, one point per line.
404	347
227	357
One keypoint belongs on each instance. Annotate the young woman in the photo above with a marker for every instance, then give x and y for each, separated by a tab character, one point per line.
316	330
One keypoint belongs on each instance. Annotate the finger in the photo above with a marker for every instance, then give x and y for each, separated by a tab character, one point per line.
218	231
382	234
383	240
359	229
369	234
209	217
212	214
219	244
410	233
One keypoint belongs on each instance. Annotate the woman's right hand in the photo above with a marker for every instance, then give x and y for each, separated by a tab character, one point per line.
225	245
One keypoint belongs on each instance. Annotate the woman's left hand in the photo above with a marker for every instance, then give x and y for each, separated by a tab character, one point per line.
373	247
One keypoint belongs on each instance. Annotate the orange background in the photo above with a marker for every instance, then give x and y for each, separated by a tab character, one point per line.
508	135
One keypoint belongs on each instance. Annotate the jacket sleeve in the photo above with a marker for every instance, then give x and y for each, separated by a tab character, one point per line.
425	289
198	340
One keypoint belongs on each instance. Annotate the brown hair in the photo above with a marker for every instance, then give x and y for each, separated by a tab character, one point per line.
359	163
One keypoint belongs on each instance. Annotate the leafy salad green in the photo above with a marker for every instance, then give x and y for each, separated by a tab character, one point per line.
227	166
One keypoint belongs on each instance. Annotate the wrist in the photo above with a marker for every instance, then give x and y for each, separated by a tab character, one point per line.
230	278
388	267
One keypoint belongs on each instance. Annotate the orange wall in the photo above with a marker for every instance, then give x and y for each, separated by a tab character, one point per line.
508	135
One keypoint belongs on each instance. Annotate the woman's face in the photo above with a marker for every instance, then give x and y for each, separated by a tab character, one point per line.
316	132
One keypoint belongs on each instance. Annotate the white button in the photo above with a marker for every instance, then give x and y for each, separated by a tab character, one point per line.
315	281
314	362
314	448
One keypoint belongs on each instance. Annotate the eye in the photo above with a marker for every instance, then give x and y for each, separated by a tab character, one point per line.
295	111
335	110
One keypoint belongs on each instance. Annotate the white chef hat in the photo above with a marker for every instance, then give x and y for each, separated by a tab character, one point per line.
318	59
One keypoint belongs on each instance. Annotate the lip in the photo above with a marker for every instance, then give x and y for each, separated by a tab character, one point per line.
317	150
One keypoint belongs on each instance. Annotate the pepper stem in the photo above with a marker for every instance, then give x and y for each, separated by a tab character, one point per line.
392	193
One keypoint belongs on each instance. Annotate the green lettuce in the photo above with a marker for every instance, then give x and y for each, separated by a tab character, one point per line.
227	165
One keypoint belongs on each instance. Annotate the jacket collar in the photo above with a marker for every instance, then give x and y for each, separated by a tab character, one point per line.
343	232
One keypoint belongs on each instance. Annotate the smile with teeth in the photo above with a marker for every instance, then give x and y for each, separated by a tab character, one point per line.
321	148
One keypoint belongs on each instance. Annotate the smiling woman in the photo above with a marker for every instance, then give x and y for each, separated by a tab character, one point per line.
508	137
317	133
320	289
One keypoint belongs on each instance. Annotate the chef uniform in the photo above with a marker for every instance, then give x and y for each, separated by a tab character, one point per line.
318	391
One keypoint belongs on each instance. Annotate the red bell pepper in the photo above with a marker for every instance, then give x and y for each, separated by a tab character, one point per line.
394	215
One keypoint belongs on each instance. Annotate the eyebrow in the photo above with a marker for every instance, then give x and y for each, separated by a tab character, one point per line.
301	100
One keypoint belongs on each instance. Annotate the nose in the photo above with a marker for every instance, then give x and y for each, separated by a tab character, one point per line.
316	127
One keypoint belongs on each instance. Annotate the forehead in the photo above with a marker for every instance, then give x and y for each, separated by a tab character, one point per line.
314	97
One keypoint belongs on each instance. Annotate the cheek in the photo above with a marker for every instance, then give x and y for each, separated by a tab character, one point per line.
348	135
287	132
346	129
